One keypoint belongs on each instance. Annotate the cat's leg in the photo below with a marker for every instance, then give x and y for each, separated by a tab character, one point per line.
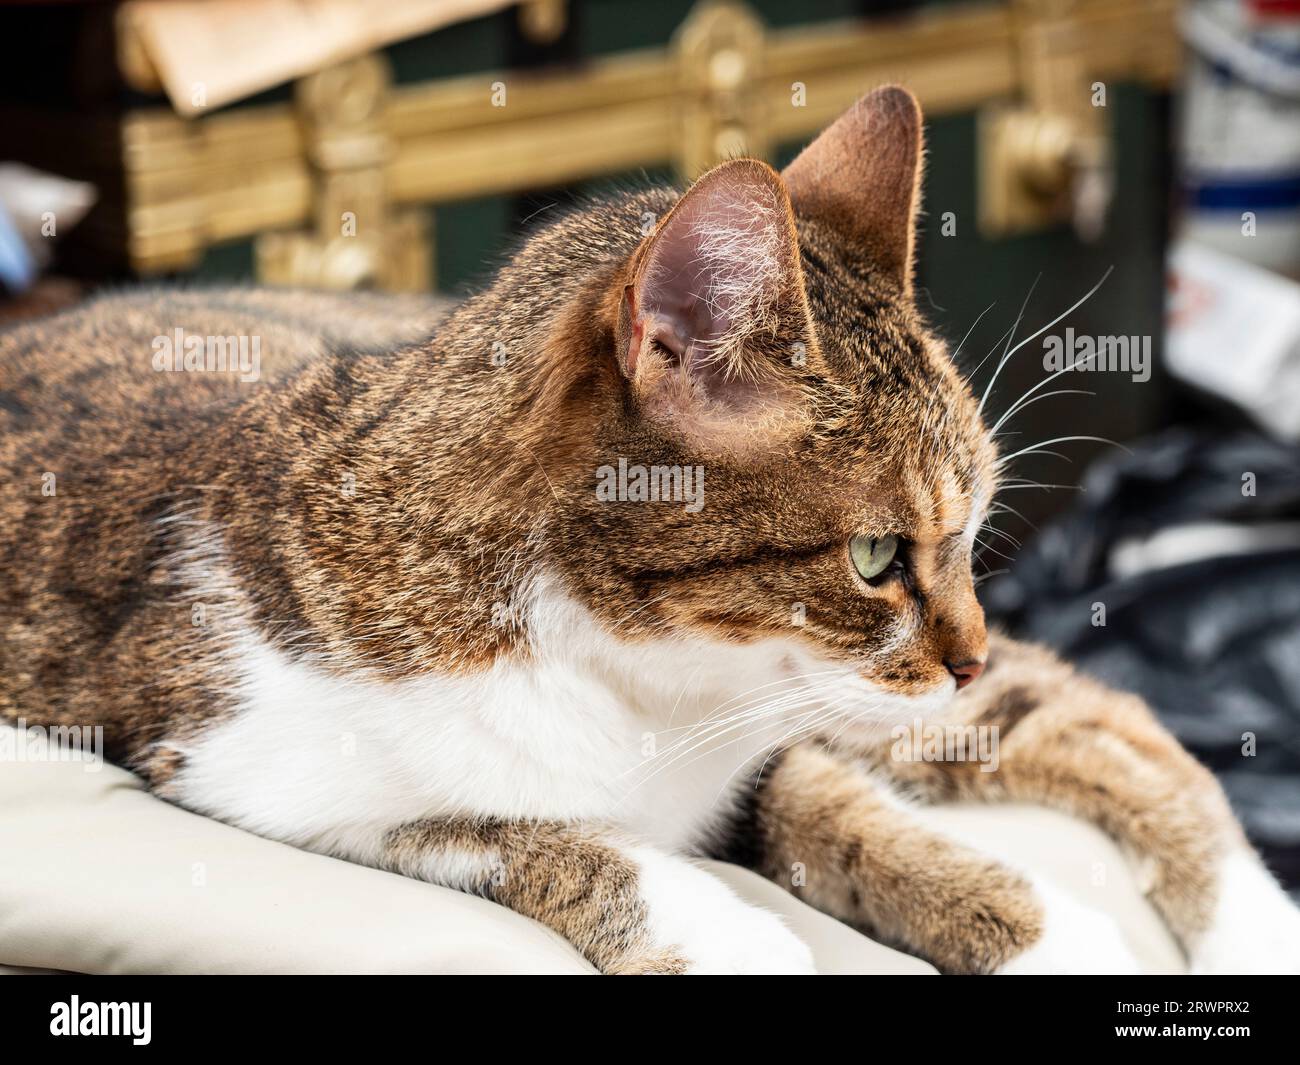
627	907
821	827
1069	742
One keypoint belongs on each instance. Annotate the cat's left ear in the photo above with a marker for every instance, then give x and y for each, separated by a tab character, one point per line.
715	322
861	178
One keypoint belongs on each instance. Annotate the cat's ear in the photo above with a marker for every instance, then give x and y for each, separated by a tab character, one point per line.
715	317
862	178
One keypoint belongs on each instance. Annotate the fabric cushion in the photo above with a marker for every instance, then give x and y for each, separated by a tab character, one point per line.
101	877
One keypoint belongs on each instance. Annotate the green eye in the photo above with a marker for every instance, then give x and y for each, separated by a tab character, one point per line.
872	555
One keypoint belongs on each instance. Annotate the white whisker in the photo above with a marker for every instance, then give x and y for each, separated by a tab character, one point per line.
1037	448
1008	351
1087	296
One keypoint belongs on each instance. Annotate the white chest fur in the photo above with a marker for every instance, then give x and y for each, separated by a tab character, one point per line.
654	738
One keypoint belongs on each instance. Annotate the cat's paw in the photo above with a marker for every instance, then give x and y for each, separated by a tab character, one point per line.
1076	940
698	920
746	941
1256	927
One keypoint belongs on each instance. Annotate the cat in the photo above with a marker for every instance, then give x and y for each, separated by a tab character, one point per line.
375	597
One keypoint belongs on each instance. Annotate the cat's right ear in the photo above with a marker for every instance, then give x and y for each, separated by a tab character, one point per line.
715	319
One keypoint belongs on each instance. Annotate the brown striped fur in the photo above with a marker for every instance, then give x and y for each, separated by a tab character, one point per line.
834	839
570	878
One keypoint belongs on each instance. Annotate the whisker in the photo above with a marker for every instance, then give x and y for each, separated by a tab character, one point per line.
673	713
1002	533
978	318
990	573
1004	508
676	759
796	679
1008	351
979	365
1020	485
989	547
787	739
1058	440
706	729
1051	377
1086	297
1020	405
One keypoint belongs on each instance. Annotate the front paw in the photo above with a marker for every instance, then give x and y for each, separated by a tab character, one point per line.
744	941
698	926
1255	929
1076	940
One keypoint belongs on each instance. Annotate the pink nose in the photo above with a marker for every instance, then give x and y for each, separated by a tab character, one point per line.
965	672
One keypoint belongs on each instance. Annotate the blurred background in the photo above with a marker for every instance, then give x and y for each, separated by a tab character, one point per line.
1116	177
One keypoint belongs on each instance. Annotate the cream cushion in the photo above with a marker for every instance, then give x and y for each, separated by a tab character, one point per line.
98	876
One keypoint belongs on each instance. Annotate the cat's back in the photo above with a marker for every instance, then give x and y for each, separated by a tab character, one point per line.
151	349
129	378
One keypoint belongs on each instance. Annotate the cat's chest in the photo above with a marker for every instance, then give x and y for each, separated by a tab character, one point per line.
332	764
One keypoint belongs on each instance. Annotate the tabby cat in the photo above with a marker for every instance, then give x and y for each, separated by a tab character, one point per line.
393	596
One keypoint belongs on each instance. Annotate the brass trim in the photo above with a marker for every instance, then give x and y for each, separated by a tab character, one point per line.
193	183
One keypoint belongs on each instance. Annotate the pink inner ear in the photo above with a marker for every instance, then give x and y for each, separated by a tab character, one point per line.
716	268
688	313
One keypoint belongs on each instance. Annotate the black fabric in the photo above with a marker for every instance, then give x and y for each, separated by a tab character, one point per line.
1212	644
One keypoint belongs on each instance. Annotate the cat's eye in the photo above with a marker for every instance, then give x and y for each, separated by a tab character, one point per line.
872	554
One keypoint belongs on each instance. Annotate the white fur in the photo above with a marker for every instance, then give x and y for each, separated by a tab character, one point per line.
1255	930
981	498
1256	927
583	728
1076	940
696	914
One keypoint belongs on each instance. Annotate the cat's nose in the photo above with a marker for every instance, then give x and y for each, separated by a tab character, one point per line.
966	671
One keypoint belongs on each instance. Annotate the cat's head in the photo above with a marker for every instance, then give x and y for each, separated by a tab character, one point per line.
764	335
